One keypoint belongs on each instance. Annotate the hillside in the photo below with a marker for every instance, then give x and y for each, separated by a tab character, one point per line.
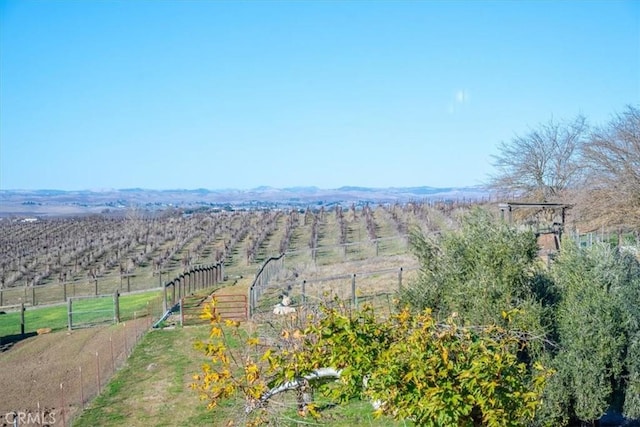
58	203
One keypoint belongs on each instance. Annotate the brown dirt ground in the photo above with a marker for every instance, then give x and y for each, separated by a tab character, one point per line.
32	371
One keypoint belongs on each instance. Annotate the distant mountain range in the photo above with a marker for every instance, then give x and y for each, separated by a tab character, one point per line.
59	202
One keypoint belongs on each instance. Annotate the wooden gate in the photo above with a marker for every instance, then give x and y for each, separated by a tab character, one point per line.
232	307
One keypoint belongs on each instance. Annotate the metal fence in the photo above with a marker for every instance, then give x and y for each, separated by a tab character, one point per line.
85	312
376	287
77	388
269	270
186	282
68	391
627	240
60	292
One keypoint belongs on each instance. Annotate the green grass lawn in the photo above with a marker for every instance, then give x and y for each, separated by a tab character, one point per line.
98	309
153	387
153	390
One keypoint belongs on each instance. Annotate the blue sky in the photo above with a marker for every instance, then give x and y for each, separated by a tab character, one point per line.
231	94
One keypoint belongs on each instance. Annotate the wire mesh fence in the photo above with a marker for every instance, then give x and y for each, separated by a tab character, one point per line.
58	391
85	312
374	287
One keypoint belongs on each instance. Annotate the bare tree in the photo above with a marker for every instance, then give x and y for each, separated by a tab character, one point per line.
543	164
612	180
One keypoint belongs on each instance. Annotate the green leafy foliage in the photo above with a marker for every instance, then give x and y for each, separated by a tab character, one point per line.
585	310
481	323
408	365
598	324
446	374
480	271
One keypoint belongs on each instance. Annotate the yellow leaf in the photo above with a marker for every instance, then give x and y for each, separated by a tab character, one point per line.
231	323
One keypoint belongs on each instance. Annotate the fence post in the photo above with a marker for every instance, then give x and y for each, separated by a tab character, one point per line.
81	389
1	298
116	307
354	298
22	309
184	284
69	313
33	293
304	292
63	409
400	279
165	305
181	312
96	286
98	370
64	290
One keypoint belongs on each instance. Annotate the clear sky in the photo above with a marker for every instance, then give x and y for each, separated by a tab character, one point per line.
232	94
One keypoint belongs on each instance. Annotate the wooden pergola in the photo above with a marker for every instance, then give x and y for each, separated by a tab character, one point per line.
509	207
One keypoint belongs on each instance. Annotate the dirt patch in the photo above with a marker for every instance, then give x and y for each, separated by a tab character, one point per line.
64	369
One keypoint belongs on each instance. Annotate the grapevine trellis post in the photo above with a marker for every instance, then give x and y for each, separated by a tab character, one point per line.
354	296
69	313
22	309
116	307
